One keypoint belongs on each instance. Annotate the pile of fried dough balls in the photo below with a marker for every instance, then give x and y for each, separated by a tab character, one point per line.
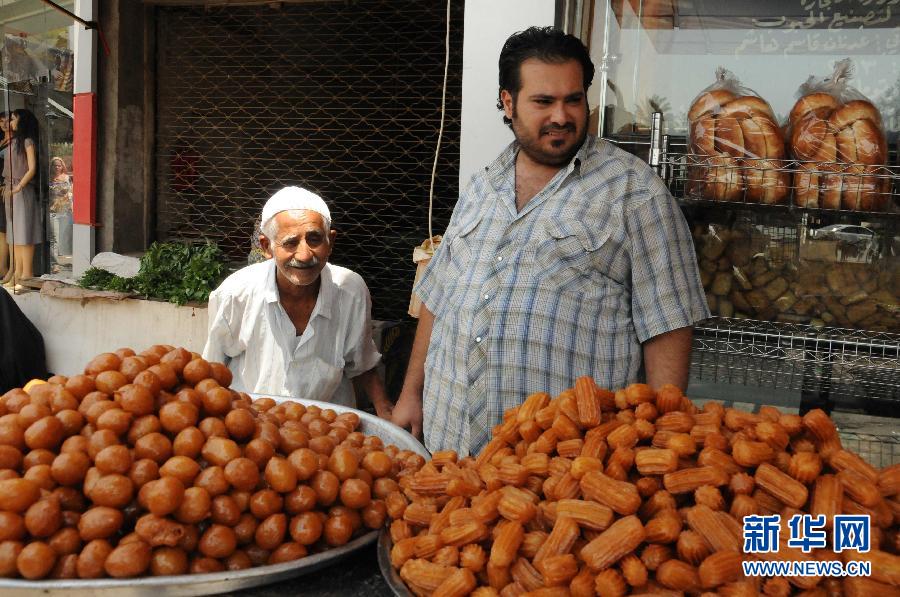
148	464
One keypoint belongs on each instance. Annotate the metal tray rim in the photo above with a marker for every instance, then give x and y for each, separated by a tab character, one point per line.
181	584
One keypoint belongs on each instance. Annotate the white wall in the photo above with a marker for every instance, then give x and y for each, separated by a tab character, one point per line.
76	331
487	25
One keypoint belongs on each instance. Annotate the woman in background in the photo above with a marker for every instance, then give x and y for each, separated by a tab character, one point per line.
23	221
61	205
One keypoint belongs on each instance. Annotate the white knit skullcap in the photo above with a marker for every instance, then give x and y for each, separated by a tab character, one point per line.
294	198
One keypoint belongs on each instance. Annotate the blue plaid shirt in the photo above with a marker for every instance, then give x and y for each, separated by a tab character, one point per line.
596	263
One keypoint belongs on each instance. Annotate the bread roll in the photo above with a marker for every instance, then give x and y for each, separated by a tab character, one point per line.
871	145
827	150
762	138
729	136
730	129
709	102
851	112
860	189
806	185
826	157
846	145
807	137
747	106
723	178
830	195
703	135
818	104
765	184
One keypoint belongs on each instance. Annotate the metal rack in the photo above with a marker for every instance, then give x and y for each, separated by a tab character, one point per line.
831	366
878	450
686	175
689	176
853	369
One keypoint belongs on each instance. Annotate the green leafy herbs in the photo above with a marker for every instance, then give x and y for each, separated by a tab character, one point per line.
174	272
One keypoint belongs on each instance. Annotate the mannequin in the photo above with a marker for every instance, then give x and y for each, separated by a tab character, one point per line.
20	194
4	248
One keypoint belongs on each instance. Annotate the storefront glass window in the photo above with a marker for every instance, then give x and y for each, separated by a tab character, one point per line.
36	87
657	55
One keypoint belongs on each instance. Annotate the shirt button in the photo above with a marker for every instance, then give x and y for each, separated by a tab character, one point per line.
478	340
486	297
499	258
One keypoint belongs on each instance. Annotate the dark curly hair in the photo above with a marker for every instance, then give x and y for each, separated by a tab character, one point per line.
27	128
546	44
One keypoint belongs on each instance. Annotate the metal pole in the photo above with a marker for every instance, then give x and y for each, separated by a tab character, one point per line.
655	139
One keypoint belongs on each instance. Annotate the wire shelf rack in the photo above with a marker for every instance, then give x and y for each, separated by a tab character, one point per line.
859	368
771	185
784	184
807	346
878	450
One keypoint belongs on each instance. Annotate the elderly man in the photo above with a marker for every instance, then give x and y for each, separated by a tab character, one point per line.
564	257
296	325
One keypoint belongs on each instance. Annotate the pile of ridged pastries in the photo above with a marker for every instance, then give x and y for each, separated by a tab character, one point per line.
150	464
639	492
741	281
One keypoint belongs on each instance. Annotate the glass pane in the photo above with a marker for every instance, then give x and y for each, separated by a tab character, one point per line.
834	262
660	54
37	80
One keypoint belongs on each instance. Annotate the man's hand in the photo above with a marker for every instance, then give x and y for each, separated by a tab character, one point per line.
408	410
384	409
371	384
408	413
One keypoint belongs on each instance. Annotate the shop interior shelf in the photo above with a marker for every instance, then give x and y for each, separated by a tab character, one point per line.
846	369
850	370
879	187
684	173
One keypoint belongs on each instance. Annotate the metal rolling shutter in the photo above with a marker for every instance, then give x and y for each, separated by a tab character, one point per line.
342	97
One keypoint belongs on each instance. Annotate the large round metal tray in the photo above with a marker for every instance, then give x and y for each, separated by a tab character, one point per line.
223	582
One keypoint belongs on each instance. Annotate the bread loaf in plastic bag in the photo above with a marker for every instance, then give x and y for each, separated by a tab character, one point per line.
837	135
738	145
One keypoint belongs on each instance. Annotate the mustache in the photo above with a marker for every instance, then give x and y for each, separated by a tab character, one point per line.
297	263
555	127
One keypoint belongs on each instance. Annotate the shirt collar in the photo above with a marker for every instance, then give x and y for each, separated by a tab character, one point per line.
499	169
326	296
271	291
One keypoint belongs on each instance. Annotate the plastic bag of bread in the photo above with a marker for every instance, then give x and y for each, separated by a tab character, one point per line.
837	136
738	144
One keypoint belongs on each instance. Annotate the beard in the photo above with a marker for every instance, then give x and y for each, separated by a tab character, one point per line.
561	151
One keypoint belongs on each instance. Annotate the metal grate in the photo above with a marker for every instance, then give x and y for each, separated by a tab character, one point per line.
878	450
861	368
809	185
806	184
341	97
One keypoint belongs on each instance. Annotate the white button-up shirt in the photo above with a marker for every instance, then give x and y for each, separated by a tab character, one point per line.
251	332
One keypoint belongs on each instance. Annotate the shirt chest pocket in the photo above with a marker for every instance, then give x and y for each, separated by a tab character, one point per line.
571	254
460	259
